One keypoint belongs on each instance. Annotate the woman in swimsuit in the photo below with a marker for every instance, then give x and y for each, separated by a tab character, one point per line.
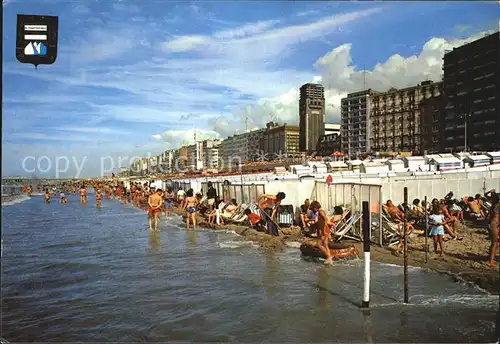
190	204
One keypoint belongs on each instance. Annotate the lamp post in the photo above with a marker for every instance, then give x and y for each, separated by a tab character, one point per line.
465	117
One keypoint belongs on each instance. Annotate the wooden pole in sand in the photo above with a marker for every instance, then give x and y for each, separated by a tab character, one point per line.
405	245
426	233
366	255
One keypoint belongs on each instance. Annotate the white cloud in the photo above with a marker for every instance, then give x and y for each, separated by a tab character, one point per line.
186	43
177	138
264	44
246	30
232	81
340	76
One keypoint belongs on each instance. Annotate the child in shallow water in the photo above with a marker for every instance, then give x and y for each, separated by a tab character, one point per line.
437	222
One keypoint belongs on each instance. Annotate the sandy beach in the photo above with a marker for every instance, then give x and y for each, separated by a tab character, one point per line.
465	259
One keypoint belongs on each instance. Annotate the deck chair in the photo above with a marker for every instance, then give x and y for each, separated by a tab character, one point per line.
236	215
347	227
218	211
390	231
237	211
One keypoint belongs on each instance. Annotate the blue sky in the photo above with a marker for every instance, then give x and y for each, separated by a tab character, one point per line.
136	78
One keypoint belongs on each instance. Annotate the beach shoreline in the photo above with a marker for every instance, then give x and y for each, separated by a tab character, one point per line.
465	260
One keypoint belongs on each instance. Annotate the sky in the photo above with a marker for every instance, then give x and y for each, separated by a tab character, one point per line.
135	78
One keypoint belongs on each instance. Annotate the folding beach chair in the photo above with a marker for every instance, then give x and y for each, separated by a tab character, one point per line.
238	212
347	227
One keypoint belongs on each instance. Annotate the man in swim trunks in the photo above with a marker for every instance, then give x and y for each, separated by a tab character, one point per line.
169	201
98	198
324	231
83	194
154	208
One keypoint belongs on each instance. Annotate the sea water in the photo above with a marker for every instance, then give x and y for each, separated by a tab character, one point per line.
78	273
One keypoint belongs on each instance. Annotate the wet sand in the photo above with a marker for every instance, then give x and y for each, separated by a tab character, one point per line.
464	259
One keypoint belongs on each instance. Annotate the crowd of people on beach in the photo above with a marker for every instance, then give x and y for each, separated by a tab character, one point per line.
442	217
438	219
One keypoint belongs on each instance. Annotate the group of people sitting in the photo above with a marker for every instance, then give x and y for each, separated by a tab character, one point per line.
444	216
216	211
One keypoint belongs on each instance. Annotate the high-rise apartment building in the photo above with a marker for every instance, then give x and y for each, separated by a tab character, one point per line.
279	140
395	117
312	116
355	124
211	153
471	117
240	148
430	132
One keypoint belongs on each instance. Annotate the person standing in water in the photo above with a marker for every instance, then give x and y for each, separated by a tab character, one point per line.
83	194
98	198
169	201
63	198
190	204
323	231
47	196
154	208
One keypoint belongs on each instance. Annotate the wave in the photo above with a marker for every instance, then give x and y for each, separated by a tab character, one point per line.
11	200
236	244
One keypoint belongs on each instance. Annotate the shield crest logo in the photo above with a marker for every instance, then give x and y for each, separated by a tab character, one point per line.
37	37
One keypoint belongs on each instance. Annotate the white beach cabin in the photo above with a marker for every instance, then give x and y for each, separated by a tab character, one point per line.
447	163
370	167
415	163
476	160
318	167
300	170
354	165
494	157
396	165
337	166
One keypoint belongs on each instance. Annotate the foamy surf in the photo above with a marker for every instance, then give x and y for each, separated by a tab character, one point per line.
293	244
11	200
236	244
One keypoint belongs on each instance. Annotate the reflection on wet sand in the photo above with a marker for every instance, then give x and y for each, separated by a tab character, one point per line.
367	326
403	328
323	296
192	237
154	241
269	280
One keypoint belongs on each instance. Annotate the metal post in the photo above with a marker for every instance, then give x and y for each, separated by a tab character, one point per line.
405	246
426	231
380	227
465	136
497	334
366	255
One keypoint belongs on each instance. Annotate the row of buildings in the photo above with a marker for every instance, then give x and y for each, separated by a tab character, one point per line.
275	142
459	113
